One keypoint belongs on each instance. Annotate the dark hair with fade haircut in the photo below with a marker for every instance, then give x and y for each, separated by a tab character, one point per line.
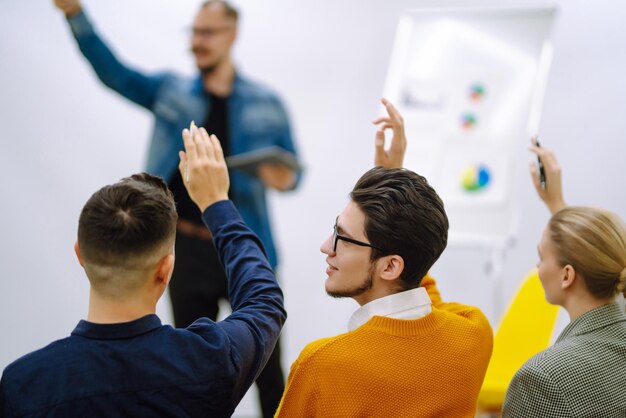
229	10
403	216
132	217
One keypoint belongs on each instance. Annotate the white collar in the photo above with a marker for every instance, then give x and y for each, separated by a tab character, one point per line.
410	304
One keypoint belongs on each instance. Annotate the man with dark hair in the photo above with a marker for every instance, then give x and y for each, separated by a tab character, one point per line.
121	361
245	115
407	354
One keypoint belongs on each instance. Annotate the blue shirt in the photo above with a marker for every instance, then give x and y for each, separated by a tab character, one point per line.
143	368
257	119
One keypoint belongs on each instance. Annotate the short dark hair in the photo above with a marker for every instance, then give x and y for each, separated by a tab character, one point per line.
131	218
403	216
229	10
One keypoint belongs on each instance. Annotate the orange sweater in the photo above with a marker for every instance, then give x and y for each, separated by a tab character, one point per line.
428	367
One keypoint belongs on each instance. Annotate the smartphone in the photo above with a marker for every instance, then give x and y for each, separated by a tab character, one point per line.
542	171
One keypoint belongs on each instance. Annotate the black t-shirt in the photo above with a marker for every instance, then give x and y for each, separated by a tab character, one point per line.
216	123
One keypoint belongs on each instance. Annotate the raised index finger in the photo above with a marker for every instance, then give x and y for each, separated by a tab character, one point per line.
392	111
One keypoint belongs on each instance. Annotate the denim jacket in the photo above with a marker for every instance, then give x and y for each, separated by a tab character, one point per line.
257	119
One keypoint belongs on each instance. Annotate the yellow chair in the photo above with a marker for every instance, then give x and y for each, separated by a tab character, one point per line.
525	329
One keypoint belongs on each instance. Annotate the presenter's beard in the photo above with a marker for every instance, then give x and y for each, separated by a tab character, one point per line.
349	293
209	69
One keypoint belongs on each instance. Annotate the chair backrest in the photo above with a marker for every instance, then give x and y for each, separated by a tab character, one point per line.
525	329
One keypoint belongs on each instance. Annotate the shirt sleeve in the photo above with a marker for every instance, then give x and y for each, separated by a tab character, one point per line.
258	313
132	84
5	408
532	393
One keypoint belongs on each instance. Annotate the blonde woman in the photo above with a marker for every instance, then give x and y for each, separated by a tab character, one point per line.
582	267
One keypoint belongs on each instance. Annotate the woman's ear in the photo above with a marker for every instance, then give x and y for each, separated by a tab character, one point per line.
568	276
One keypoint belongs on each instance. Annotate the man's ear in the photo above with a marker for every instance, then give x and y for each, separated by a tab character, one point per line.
390	267
77	251
568	276
164	270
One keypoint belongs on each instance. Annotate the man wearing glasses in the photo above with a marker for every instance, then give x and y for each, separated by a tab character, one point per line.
406	353
243	114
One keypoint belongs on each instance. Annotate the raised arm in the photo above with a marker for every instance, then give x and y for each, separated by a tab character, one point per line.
256	299
132	84
552	194
394	156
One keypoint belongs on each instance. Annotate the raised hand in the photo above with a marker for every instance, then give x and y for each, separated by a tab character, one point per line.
552	194
69	7
394	156
203	168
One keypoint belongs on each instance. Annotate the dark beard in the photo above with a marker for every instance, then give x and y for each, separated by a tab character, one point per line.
208	70
211	68
367	285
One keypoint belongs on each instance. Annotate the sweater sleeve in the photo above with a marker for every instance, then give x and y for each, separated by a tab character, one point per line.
132	84
256	299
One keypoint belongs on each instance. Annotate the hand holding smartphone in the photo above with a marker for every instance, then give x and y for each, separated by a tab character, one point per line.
542	171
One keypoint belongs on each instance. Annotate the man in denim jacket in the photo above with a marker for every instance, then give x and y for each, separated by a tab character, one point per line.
243	114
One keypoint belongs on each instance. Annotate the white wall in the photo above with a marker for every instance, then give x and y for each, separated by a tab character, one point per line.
63	136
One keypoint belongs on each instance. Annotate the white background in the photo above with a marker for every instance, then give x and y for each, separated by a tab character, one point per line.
63	135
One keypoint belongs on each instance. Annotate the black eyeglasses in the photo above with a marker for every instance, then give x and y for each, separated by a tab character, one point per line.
337	237
208	32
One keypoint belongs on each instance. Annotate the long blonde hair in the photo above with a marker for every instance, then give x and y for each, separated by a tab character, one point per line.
593	241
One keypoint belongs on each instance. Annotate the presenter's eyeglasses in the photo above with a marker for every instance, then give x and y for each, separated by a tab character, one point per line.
208	33
337	237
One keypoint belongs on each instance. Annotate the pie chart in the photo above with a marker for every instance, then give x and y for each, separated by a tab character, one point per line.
475	177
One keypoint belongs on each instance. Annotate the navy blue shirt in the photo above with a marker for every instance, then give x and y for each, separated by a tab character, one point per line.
143	368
